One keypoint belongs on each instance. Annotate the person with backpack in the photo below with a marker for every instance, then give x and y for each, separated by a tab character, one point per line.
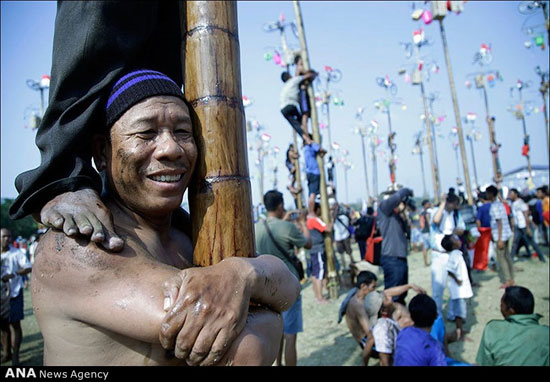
362	230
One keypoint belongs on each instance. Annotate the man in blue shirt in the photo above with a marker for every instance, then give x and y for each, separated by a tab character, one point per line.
414	345
311	150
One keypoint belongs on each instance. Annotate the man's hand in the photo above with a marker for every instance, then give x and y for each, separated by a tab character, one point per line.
417	289
500	244
82	212
207	309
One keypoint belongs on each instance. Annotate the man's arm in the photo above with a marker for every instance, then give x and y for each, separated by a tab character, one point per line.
387	205
125	294
439	213
399	290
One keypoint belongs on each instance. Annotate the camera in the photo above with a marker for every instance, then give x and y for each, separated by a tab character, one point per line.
293	216
409	202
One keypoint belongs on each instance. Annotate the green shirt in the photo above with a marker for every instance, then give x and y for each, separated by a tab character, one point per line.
519	340
287	235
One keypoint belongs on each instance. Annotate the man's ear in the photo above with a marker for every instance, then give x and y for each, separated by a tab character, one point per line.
99	151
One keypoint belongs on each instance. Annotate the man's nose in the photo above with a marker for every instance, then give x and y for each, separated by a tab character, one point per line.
168	147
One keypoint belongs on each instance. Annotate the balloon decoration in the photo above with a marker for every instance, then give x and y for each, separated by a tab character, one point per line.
427	17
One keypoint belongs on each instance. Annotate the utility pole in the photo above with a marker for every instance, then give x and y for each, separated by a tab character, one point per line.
457	115
418	150
325	212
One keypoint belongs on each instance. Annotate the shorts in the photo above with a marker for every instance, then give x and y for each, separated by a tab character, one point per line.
416	236
318	265
426	240
16	308
457	308
344	245
292	318
313	183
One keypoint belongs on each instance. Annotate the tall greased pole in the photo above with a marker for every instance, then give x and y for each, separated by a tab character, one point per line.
325	213
457	116
220	193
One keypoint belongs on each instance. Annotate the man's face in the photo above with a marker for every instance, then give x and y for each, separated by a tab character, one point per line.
451	206
6	239
539	194
152	155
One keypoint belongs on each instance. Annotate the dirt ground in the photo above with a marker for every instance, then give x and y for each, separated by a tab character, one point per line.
324	342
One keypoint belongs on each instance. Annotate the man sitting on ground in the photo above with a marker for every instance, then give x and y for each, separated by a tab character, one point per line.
518	340
99	308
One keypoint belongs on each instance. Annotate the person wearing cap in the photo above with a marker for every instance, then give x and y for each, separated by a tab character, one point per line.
148	305
94	43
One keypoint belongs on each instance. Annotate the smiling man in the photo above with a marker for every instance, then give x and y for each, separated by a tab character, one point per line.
136	307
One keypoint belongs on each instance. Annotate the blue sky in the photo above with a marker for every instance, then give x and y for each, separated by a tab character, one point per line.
361	39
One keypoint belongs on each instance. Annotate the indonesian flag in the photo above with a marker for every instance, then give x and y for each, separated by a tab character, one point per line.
45	81
266	137
374	124
335	145
246	101
471	117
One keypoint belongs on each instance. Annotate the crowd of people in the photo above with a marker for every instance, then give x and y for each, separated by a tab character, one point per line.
454	247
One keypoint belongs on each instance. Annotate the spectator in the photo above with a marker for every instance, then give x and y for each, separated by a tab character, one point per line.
274	235
425	220
542	206
14	265
290	102
483	223
387	319
414	345
522	226
459	284
317	229
518	340
501	234
362	230
445	221
393	228
342	233
356	315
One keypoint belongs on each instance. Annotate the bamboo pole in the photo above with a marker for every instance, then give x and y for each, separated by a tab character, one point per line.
220	193
435	177
457	116
325	214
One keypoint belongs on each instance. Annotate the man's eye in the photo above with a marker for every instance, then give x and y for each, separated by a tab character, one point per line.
183	133
148	134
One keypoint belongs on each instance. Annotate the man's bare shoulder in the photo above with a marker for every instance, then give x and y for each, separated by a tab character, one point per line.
355	307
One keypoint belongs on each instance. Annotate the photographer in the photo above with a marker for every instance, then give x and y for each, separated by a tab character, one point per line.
393	224
274	235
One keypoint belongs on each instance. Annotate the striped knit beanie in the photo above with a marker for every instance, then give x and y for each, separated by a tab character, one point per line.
134	87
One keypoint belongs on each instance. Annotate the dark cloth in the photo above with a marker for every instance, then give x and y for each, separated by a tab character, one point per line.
16	308
396	272
304	101
293	116
363	227
313	183
94	43
392	227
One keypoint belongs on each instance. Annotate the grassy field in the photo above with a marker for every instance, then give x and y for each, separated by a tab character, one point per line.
325	342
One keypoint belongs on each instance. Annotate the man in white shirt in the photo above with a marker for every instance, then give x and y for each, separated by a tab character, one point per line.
521	225
290	102
14	265
342	235
445	221
501	232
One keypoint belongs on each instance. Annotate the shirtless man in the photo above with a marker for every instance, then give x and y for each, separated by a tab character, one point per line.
364	307
99	308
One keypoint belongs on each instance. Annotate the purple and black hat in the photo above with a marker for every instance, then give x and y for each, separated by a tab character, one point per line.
134	87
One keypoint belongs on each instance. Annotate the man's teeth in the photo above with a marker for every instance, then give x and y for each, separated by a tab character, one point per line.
166	178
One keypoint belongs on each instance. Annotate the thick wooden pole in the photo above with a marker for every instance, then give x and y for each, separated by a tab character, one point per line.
220	194
435	177
298	173
325	213
493	145
457	116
